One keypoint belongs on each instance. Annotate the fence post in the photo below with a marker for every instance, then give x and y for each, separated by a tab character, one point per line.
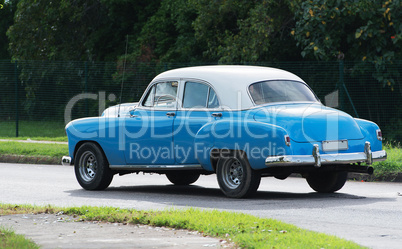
341	84
16	98
86	89
342	89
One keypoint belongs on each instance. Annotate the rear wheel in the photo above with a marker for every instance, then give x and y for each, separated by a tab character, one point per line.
327	182
92	168
182	178
236	178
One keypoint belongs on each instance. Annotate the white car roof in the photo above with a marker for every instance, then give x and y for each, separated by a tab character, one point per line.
230	82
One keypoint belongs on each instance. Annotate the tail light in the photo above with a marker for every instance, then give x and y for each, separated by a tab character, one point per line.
379	134
287	140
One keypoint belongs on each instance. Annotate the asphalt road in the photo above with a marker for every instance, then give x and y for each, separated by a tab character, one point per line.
367	213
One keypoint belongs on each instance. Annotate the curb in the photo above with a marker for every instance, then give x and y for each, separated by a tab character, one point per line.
392	177
30	159
360	177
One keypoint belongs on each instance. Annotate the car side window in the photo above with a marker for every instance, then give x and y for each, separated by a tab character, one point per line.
198	95
162	95
195	95
149	99
213	101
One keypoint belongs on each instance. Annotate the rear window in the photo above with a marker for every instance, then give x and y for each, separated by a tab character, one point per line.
280	91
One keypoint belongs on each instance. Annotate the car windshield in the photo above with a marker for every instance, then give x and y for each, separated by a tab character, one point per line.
280	91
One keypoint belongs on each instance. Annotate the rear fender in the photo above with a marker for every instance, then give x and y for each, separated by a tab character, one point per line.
369	130
256	139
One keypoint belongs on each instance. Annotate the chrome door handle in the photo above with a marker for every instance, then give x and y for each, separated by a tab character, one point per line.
217	114
170	114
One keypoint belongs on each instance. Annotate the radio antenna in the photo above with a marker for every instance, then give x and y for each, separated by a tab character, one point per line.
122	79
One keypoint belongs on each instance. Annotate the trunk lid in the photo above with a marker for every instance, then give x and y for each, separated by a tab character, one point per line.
310	122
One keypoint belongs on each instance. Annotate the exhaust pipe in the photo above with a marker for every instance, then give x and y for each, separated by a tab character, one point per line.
360	169
66	161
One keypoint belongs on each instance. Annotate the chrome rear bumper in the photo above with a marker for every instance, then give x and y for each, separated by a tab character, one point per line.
316	159
66	161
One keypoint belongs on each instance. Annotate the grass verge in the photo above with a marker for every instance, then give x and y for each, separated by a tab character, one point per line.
32	129
33	149
246	231
390	167
52	139
8	239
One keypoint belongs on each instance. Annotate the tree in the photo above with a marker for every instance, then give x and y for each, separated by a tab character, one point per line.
364	30
124	18
88	30
52	30
7	10
215	21
246	31
209	31
167	35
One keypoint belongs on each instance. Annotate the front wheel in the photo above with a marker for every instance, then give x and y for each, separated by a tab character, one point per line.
236	178
92	168
327	182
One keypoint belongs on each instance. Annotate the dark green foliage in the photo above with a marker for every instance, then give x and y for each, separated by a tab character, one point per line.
245	31
7	10
230	31
166	34
48	30
364	30
75	30
360	30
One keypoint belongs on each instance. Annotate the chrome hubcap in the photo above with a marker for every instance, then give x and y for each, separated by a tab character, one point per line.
88	166
232	173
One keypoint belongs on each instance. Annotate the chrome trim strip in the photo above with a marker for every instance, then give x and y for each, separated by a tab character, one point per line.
342	158
378	156
157	167
66	161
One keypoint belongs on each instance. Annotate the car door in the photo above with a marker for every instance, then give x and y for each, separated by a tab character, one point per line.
199	106
149	129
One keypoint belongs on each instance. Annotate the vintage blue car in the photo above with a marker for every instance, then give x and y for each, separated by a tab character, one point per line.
240	122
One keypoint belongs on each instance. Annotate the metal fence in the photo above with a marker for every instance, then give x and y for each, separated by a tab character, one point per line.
40	91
